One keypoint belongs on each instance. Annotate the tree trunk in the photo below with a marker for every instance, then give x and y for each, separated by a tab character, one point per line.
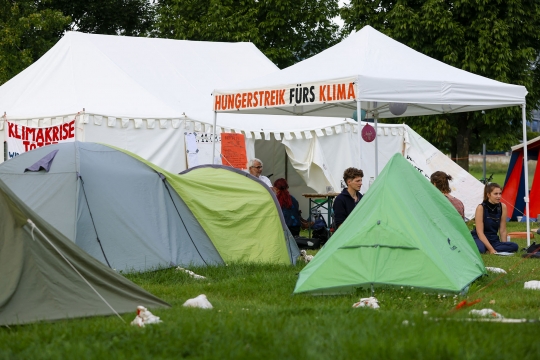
462	141
453	149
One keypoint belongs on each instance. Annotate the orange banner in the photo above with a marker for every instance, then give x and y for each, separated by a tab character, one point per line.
233	150
338	90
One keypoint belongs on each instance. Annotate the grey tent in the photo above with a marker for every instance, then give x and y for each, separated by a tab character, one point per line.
113	206
43	274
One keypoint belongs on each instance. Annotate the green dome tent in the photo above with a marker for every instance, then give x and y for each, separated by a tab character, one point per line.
239	212
404	232
45	276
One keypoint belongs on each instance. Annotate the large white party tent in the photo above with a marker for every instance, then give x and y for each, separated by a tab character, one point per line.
368	70
126	89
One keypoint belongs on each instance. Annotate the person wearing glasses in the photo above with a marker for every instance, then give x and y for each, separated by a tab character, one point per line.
255	168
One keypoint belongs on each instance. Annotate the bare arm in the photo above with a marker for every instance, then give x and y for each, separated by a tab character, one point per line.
502	228
479	216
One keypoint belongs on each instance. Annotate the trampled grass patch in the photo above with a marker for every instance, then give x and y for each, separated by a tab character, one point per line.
255	315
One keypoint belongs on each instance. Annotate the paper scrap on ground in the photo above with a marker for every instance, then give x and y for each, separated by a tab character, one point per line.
191	273
199	302
307	258
367	302
495	270
145	317
499	320
486	313
502	253
533	284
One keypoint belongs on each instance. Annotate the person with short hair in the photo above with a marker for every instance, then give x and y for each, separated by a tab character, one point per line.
345	202
490	231
441	180
255	168
289	206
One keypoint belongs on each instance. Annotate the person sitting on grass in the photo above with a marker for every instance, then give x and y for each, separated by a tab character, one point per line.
441	180
289	206
345	202
490	231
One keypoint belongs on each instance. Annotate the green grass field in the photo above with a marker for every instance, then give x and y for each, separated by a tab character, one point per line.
255	316
498	170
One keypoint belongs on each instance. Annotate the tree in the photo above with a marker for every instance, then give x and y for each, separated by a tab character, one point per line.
112	17
286	31
493	38
26	33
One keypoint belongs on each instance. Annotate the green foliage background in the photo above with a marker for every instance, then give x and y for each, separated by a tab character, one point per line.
286	31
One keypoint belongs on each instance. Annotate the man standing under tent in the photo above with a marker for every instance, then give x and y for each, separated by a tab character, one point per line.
255	169
345	202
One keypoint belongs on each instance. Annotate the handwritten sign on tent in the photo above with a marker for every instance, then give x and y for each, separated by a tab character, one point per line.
22	138
233	150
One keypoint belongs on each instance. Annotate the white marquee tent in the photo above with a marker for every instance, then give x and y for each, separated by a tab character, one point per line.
144	94
370	71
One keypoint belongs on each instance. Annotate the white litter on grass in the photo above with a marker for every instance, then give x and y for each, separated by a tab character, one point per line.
145	317
307	258
496	270
367	302
486	313
498	320
533	284
190	273
199	302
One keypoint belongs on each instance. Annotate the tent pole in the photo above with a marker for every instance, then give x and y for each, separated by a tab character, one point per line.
526	167
376	148
214	139
359	120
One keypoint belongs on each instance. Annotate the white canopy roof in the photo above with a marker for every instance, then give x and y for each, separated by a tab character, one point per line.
371	67
129	77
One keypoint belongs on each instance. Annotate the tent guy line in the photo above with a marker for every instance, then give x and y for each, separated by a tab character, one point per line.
33	226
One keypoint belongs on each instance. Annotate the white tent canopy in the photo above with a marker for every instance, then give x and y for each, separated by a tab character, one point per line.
373	68
129	77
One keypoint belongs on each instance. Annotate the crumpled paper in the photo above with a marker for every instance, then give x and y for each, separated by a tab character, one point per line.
367	302
533	284
307	258
145	317
495	270
190	273
199	302
486	313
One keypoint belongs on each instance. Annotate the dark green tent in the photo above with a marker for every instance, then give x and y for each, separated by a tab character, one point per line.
403	232
41	273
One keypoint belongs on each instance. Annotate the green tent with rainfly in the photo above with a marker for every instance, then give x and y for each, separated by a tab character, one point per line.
238	212
403	232
45	276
